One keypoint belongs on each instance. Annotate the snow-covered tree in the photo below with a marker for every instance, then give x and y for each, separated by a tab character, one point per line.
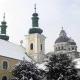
26	71
61	67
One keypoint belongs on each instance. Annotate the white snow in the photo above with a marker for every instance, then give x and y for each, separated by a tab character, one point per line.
41	66
12	50
77	63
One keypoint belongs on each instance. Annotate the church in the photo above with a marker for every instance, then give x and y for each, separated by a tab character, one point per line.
65	45
11	54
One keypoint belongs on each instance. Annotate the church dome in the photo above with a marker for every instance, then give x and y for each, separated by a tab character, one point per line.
35	30
64	38
71	42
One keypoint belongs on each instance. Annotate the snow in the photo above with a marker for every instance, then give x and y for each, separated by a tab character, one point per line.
11	50
77	62
41	66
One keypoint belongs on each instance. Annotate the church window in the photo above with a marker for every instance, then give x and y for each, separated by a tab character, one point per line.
41	46
4	78
5	65
31	46
72	48
58	48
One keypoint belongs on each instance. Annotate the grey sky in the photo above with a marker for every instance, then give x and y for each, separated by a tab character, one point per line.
53	15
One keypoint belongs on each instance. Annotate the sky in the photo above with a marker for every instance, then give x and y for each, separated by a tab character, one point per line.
53	14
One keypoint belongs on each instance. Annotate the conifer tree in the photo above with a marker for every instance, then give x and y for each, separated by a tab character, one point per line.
61	67
26	71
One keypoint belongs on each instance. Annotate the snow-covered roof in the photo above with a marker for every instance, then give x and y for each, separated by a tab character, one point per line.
11	50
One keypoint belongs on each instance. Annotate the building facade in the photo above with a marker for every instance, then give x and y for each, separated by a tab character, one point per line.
64	44
11	54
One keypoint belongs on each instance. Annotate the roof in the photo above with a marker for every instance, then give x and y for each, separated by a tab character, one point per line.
11	50
63	38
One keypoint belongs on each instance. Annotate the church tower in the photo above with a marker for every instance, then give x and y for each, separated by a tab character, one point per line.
35	40
3	27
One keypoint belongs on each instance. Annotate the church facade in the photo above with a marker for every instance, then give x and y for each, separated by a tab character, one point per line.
11	54
66	45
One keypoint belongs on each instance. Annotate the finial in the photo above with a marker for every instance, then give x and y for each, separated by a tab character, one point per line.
35	8
62	27
4	17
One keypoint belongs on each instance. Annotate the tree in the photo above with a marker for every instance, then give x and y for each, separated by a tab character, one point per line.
61	67
26	71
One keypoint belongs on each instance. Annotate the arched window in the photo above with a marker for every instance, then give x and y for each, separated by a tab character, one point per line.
72	48
31	46
4	78
58	48
41	46
5	65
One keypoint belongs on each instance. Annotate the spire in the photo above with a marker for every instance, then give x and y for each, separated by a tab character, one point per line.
4	17
62	32
35	26
3	27
35	18
35	8
62	27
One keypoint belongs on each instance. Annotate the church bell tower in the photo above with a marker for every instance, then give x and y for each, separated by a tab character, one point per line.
3	28
35	40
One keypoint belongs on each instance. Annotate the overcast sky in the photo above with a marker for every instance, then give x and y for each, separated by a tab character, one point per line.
53	15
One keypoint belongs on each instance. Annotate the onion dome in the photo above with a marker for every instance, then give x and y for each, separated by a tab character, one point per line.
3	27
35	26
35	30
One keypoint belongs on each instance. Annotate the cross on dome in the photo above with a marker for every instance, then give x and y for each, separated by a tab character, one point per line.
35	8
4	17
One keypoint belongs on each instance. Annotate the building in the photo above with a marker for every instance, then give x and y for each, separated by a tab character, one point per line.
35	40
65	45
10	53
